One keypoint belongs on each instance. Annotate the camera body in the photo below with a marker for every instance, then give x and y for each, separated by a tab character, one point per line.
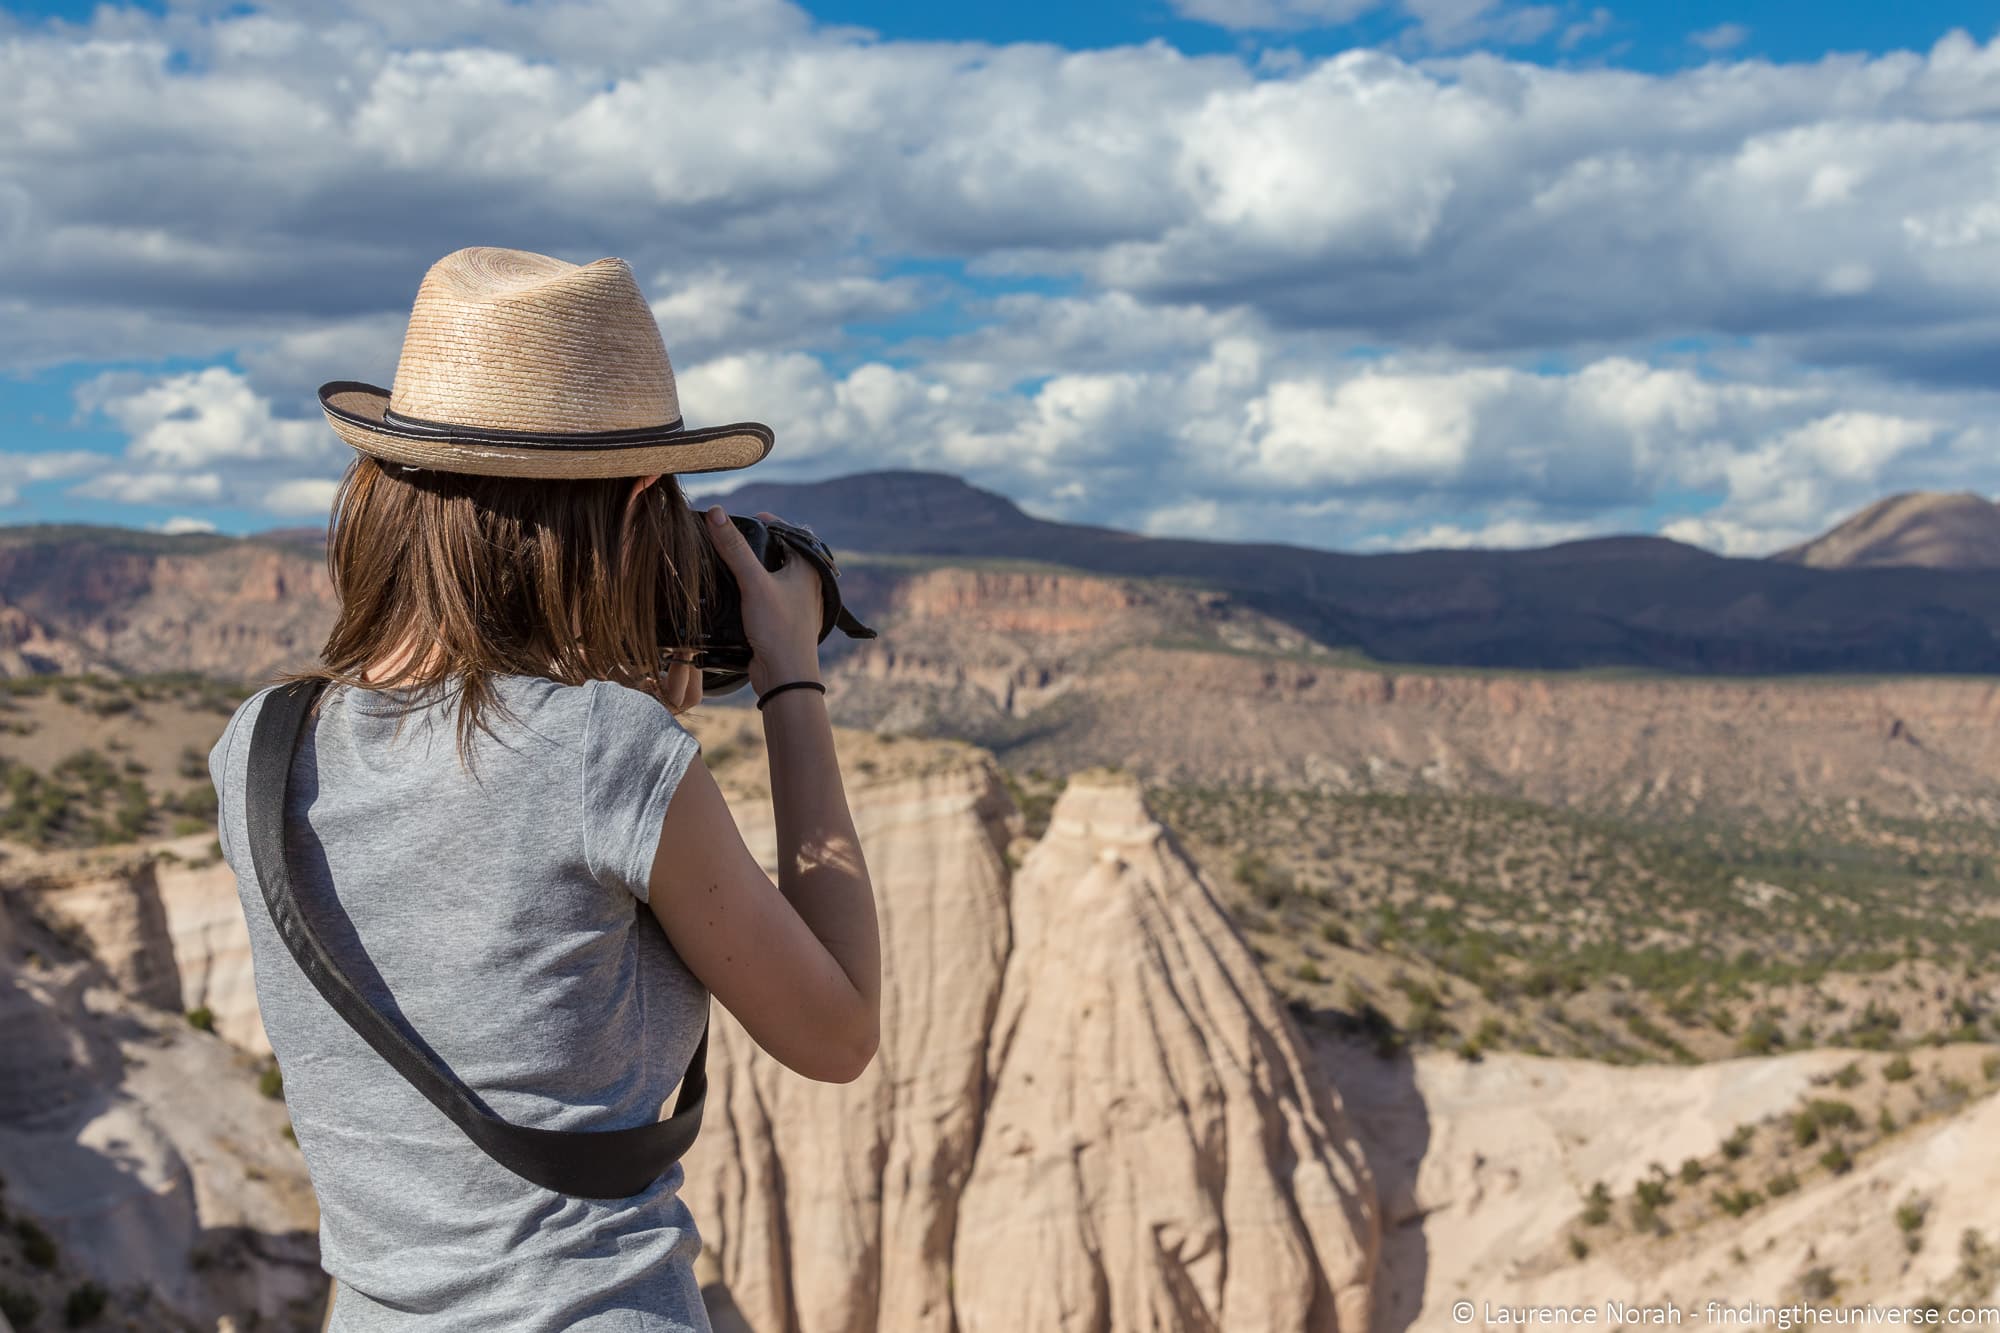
723	649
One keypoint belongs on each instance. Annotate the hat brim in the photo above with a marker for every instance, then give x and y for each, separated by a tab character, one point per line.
359	415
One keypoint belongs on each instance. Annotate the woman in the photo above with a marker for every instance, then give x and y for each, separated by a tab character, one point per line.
503	834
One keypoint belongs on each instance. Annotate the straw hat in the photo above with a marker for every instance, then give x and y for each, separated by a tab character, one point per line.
520	365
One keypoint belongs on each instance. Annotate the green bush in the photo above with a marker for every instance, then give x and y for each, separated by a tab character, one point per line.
202	1019
271	1083
1738	1143
1597	1205
1899	1070
1848	1075
1780	1185
1837	1160
1692	1171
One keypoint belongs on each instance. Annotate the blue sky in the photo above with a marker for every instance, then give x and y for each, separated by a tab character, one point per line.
1354	273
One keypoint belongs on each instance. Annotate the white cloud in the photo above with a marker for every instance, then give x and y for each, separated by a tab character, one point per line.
201	418
181	525
22	469
125	486
1437	23
303	495
1125	285
206	437
1274	14
1503	533
302	178
1722	37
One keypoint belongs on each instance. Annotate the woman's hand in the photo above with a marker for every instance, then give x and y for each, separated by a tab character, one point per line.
781	612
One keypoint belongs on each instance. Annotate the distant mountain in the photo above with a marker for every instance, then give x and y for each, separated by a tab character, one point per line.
1630	602
1929	529
77	598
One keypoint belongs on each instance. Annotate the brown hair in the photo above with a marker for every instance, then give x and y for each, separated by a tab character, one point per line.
507	576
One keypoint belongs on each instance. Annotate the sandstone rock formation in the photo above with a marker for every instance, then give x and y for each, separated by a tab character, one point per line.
143	1147
1483	1168
1155	1153
96	599
164	922
1088	1112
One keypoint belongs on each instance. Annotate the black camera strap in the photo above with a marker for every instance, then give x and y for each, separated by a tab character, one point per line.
600	1164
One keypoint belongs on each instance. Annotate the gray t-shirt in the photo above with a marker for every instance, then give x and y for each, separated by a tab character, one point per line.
494	916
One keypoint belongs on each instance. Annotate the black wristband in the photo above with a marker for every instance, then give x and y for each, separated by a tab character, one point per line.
776	690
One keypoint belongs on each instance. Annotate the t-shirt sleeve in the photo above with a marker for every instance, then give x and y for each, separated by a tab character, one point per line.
222	775
635	753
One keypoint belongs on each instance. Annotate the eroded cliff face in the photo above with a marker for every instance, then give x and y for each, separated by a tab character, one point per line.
143	1147
1089	1112
162	920
1909	747
235	612
1155	1154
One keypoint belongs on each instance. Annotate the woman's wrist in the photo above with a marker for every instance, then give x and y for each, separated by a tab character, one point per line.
779	671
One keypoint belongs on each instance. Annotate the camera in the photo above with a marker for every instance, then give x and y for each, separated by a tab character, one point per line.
722	650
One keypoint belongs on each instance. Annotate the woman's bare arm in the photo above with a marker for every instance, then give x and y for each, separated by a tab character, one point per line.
799	962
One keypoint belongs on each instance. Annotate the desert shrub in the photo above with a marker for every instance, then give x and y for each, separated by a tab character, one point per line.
20	1307
1837	1160
1333	932
85	1303
1817	1283
271	1083
202	1019
1692	1171
1597	1205
1738	1201
1578	1249
1990	1068
1833	1114
1308	972
1780	1185
38	1247
1652	1193
1874	1029
1763	1036
1645	1217
1899	1070
1847	1076
1738	1143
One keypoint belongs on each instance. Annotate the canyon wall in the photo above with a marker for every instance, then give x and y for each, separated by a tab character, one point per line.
143	1147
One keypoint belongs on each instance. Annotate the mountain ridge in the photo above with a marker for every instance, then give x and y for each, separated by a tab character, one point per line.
75	598
1922	529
